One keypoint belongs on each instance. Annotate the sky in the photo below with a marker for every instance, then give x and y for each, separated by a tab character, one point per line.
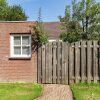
50	9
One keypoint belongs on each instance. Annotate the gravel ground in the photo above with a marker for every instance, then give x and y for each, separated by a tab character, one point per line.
56	92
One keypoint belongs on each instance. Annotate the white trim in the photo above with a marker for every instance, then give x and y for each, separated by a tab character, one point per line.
54	40
12	46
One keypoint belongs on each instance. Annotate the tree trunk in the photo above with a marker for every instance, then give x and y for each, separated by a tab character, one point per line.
83	24
87	24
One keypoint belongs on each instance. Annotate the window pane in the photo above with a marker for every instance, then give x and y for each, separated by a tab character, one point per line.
17	40
17	50
26	50
25	40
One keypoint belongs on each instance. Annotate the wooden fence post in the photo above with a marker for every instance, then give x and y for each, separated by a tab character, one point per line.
82	60
95	61
71	64
39	65
54	62
50	62
66	62
47	62
43	64
77	62
58	62
89	61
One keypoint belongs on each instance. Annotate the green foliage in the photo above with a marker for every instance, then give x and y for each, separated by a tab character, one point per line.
83	22
66	19
93	36
11	13
70	37
3	9
90	9
16	13
39	36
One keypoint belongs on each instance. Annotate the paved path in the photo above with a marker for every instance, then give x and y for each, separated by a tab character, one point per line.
56	92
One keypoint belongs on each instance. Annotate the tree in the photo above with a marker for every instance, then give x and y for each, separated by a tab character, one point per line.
11	13
71	25
88	13
66	19
16	13
3	9
84	20
39	36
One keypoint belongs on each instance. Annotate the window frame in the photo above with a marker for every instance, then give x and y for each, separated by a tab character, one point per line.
12	55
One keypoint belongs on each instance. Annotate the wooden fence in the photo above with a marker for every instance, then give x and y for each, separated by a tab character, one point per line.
65	63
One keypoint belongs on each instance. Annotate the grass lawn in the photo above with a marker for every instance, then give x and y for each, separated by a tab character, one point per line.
19	91
85	91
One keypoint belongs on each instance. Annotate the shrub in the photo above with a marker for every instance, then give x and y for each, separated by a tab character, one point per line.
70	37
39	36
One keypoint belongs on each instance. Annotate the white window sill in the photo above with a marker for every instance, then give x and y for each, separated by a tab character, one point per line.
20	58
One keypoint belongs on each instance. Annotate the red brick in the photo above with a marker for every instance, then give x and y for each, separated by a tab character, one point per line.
15	70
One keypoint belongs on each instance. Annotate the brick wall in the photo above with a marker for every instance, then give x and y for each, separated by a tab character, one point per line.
15	70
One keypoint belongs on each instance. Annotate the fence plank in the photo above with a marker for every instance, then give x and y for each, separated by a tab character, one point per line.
66	63
47	62
43	64
82	60
97	46
39	65
50	62
58	62
71	66
54	62
77	62
95	61
62	65
99	60
89	61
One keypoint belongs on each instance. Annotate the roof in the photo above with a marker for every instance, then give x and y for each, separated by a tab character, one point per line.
52	28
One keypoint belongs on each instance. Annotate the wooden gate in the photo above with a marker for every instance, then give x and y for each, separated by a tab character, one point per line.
65	63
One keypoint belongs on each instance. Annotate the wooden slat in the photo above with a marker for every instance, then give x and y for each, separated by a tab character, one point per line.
66	63
43	64
82	60
99	60
77	62
50	62
39	65
95	61
54	62
47	62
58	62
71	56
97	46
89	61
63	64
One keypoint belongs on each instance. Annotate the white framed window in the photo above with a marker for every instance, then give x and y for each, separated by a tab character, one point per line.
20	45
